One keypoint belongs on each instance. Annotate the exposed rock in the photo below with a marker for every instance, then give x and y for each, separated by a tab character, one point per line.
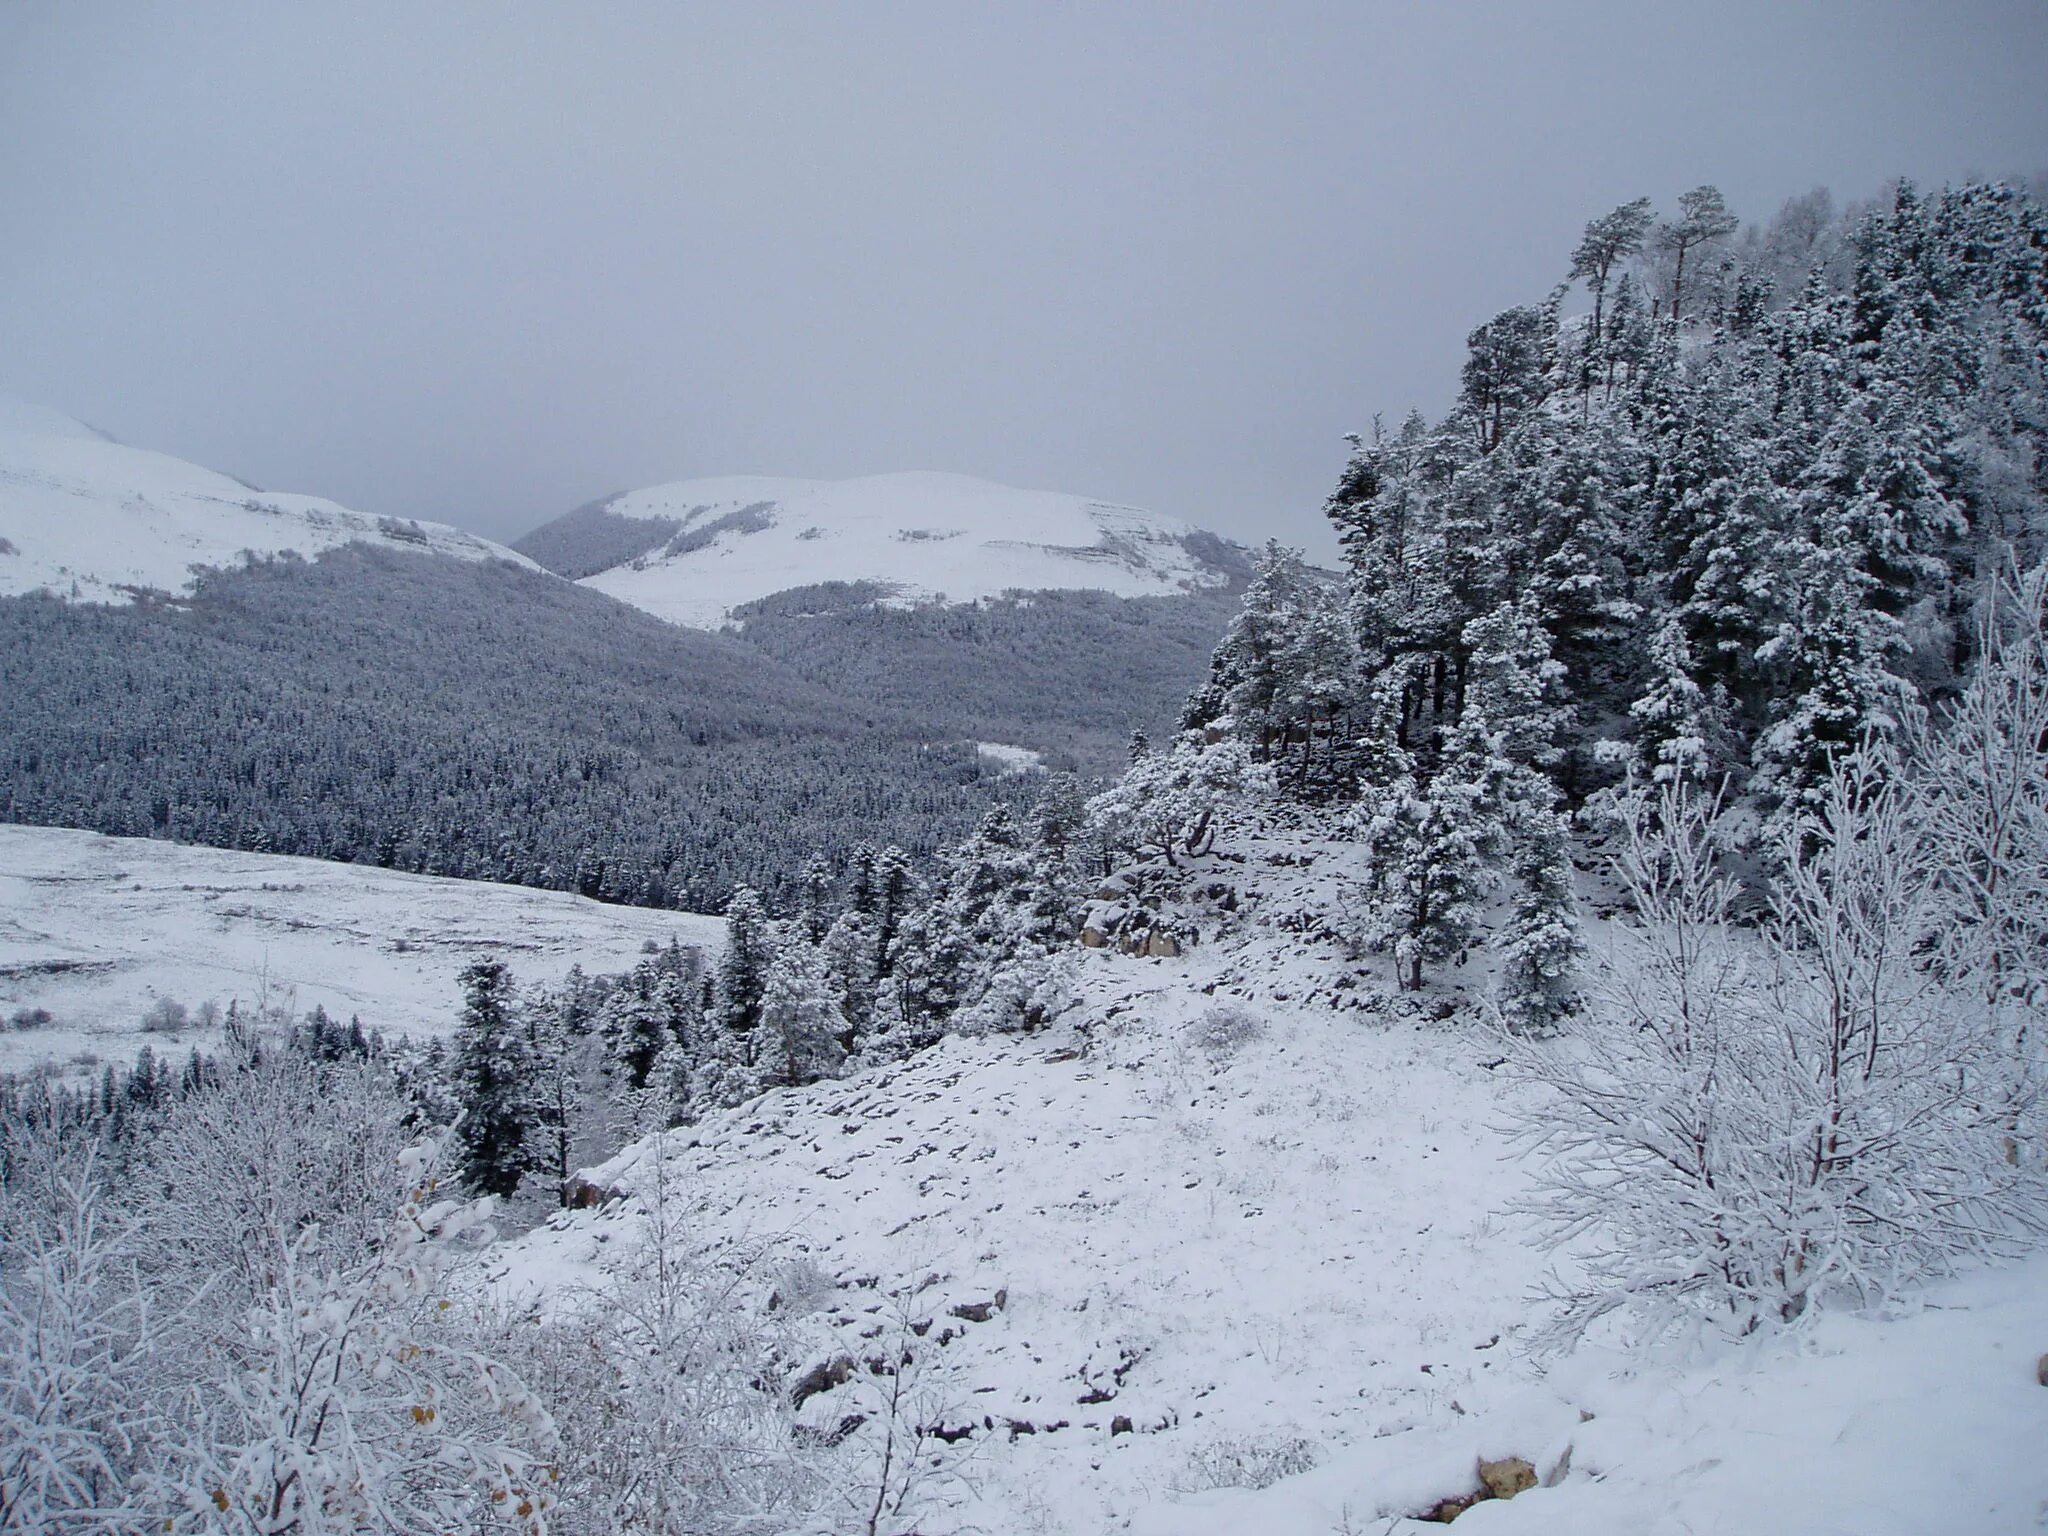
1507	1477
1444	1511
1120	1425
579	1194
1094	938
2041	1370
1161	944
836	1435
1501	1479
975	1311
822	1377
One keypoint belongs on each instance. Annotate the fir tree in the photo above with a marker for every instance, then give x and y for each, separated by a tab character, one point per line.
801	1021
1540	946
742	974
492	1080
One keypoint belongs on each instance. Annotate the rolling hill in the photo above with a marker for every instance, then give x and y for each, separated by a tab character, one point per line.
694	551
87	518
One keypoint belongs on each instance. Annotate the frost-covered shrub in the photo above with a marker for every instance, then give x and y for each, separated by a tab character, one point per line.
1221	1032
166	1016
1174	802
802	1287
1751	1124
1246	1461
30	1018
1026	994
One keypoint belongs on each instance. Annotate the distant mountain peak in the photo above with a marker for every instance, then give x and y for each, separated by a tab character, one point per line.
694	550
86	517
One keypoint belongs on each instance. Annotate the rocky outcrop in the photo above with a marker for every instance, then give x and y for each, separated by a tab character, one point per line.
1501	1479
1127	915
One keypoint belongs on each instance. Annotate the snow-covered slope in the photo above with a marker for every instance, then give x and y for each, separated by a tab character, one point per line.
705	546
1229	1250
94	929
82	516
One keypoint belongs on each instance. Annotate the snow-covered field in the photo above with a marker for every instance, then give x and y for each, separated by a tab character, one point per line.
1010	759
87	518
1226	1251
925	536
95	929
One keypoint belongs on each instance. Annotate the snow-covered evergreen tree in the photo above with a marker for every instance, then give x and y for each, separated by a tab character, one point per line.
1538	983
801	1021
492	1077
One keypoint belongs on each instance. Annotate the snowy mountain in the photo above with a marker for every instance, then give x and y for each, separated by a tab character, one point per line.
693	551
88	518
94	930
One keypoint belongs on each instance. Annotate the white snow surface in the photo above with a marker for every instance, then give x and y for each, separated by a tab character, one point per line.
1261	1218
1011	760
95	928
925	536
87	518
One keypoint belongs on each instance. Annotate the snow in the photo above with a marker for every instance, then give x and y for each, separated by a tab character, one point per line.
1874	1428
1262	1216
1262	1226
925	536
1011	760
94	928
84	517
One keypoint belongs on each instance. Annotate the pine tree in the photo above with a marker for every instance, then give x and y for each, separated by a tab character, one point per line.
1703	218
801	1021
860	879
742	974
1681	731
492	1080
632	1023
895	898
1833	657
671	1096
1512	684
558	1044
1435	853
1540	945
815	898
1610	239
1251	662
850	961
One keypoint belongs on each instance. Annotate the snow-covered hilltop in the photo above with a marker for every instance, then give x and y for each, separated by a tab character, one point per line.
88	518
692	551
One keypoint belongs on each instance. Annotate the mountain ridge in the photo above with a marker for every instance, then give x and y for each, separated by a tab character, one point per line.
85	516
694	551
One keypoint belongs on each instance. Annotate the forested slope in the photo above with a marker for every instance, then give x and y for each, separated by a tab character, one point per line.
458	719
490	722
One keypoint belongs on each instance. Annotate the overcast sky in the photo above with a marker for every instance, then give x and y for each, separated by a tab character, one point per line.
480	263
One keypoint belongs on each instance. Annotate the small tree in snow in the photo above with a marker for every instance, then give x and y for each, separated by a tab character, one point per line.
354	1408
1753	1124
801	1023
1538	987
77	1428
493	1082
1435	854
1174	802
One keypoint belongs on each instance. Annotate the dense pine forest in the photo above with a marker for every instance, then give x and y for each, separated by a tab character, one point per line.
491	723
